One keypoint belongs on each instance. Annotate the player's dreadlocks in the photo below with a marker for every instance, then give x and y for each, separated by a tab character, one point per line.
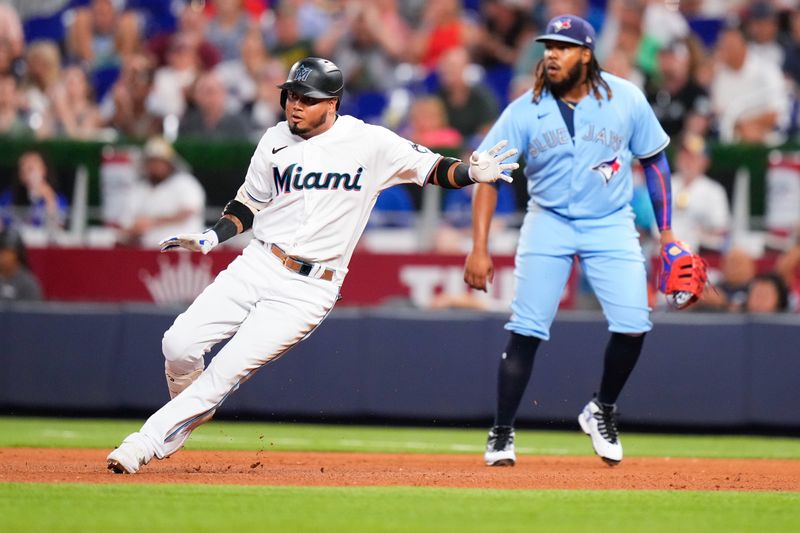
593	80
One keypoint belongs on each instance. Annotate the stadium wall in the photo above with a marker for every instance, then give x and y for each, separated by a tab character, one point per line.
697	370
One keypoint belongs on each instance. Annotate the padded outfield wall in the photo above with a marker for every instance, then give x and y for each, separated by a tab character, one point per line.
697	370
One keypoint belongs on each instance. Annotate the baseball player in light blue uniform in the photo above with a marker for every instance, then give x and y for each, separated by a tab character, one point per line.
579	129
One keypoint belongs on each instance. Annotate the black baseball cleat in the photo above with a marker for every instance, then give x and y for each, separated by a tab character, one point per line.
599	421
500	447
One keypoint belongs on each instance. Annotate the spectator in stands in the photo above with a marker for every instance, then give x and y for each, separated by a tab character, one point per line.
228	27
13	121
443	26
283	37
428	125
101	34
503	27
679	102
173	81
12	37
710	9
59	101
702	63
192	23
748	96
124	108
471	106
17	282
265	111
169	201
622	29
701	212
639	28
79	118
730	293
41	86
591	10
621	63
240	76
367	42
662	24
209	119
314	18
761	28
11	62
791	47
33	199
767	293
791	69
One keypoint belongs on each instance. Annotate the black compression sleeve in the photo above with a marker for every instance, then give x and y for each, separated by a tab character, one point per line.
240	211
225	228
450	173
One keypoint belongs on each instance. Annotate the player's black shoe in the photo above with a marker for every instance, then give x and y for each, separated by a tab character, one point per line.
500	447
599	421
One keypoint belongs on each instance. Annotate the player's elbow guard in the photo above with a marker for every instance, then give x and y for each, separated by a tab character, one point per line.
241	212
451	173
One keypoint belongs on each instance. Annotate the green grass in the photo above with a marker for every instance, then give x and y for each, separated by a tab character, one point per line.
175	508
83	433
192	508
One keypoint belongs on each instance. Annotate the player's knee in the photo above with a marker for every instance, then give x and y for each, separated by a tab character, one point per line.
175	345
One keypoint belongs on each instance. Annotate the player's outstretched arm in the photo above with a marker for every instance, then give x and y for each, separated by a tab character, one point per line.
484	167
226	227
236	218
196	242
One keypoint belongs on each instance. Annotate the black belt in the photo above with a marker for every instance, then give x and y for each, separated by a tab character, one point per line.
303	268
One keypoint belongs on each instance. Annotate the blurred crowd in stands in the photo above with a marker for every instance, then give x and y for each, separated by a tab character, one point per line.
105	69
717	72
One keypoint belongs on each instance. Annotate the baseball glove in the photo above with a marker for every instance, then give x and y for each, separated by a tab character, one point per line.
683	275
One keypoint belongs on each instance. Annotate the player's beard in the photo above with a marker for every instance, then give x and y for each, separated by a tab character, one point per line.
574	77
296	130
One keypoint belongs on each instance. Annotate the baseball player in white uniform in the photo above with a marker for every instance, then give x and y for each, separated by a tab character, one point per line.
308	193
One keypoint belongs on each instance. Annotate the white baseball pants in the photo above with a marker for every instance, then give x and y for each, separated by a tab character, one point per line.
263	308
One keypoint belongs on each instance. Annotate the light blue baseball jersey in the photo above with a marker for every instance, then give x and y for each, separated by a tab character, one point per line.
588	176
583	183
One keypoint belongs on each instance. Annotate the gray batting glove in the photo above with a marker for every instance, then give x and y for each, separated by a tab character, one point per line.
488	166
196	242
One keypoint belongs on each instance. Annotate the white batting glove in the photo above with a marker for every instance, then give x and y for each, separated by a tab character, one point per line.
488	166
196	242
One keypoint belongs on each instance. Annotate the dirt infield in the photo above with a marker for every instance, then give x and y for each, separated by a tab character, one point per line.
38	465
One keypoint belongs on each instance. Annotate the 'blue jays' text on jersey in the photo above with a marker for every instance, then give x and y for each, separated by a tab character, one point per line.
588	175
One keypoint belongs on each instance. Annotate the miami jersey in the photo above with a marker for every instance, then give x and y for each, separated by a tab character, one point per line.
588	175
317	194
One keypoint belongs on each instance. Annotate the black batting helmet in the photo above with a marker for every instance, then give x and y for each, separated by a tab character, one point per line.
314	77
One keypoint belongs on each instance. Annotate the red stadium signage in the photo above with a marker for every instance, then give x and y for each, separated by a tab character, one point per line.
135	275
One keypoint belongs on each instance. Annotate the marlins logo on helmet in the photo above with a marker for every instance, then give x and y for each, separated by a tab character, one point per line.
608	169
302	73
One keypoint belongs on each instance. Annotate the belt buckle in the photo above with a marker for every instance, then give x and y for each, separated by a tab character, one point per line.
285	260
